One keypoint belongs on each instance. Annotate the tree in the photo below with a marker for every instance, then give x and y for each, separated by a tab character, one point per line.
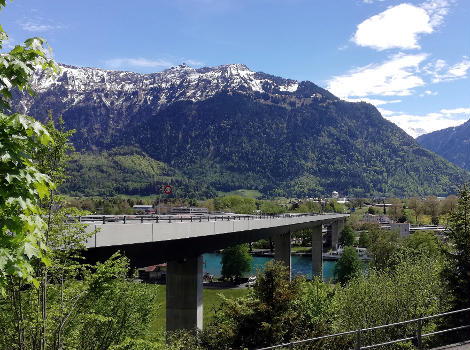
348	236
21	184
383	247
237	204
449	204
270	207
305	236
236	260
358	202
364	240
270	315
307	207
396	209
458	273
416	204
413	289
348	265
431	204
425	243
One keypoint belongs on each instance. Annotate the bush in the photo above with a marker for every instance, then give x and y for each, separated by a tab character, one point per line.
236	261
269	315
348	236
348	266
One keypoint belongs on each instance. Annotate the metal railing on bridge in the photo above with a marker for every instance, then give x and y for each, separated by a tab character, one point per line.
417	337
103	219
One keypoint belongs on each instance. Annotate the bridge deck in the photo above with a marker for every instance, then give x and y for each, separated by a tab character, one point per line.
147	242
118	231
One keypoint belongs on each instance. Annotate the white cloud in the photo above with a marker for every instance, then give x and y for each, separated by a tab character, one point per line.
416	125
395	77
33	26
8	44
396	27
428	93
449	112
116	63
437	10
400	26
441	71
194	63
385	111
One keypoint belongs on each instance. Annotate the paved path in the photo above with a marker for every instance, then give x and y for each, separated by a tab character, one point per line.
458	346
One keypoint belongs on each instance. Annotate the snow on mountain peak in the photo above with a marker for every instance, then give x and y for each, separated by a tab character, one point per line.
174	84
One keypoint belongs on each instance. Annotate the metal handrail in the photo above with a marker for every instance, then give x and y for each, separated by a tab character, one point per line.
419	335
180	218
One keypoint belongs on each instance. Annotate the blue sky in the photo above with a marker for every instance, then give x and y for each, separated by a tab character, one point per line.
410	59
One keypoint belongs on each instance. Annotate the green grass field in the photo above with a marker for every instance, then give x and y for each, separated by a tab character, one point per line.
210	297
242	193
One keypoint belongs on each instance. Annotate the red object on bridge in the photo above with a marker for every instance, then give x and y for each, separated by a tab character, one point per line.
167	189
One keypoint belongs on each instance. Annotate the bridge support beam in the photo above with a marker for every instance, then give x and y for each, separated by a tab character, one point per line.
282	249
336	228
317	251
184	294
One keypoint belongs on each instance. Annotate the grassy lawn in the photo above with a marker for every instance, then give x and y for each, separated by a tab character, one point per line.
210	299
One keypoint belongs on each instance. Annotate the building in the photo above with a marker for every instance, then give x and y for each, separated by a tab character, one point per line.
189	211
139	208
403	228
377	219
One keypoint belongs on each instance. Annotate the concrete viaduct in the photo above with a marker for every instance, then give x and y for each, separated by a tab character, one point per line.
181	240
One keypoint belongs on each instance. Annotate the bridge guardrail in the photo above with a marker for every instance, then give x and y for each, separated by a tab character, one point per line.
181	218
358	346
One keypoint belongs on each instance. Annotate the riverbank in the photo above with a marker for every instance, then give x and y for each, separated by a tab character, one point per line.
303	251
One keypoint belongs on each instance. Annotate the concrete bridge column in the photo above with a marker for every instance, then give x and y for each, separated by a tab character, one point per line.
317	251
184	294
282	249
336	228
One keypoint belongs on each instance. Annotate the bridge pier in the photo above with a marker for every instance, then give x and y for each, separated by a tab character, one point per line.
334	233
282	249
317	251
184	294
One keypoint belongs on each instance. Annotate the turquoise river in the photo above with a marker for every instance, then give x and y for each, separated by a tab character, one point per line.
301	265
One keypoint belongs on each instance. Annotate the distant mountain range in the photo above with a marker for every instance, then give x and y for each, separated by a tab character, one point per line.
452	143
226	128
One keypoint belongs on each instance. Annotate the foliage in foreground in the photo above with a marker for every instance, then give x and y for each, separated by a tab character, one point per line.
21	184
98	310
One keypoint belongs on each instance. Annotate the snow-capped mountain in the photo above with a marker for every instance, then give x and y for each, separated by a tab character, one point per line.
228	127
181	83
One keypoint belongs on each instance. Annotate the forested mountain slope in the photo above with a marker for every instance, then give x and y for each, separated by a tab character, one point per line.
452	143
227	127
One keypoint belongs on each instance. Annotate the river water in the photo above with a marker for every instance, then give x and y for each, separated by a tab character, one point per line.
301	265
